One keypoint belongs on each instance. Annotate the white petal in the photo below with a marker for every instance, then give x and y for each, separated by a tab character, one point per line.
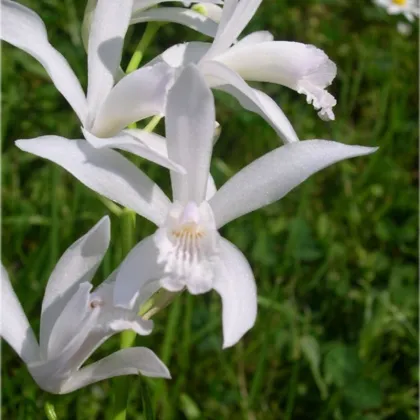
24	29
255	38
78	264
137	145
113	319
212	11
180	55
187	17
211	188
235	284
301	67
109	24
223	78
131	361
138	268
14	326
145	4
232	23
104	171
50	373
139	95
273	175
69	321
190	120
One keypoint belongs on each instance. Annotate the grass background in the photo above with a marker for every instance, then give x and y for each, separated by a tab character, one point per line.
335	260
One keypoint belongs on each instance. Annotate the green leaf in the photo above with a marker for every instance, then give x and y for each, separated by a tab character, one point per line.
189	407
363	394
311	351
341	365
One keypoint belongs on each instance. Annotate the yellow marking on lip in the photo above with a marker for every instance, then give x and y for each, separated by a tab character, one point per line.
399	2
189	230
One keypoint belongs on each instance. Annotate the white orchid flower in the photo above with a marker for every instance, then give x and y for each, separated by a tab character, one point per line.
187	251
409	8
75	321
107	109
226	63
145	11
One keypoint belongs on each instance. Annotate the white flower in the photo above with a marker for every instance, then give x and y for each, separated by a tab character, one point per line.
145	11
107	109
256	57
187	250
75	321
409	8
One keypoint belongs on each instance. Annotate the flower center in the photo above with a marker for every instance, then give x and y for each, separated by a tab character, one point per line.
188	248
399	2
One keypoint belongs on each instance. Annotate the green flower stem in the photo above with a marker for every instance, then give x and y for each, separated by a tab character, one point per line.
122	384
50	411
146	39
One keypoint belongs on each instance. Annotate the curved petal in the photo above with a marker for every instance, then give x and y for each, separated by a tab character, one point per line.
211	188
68	323
113	319
14	326
180	55
104	171
132	361
137	145
190	122
145	4
49	374
77	265
255	38
273	175
138	268
209	10
109	24
235	284
24	29
138	95
187	17
232	23
223	78
298	66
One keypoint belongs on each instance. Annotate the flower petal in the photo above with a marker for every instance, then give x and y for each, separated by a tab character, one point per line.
145	4
50	373
235	17
223	78
109	24
104	171
138	268
235	284
211	188
298	66
113	319
24	29
255	38
273	175
14	326
77	265
190	122
180	55
137	145
131	361
139	95
68	323
209	10
187	17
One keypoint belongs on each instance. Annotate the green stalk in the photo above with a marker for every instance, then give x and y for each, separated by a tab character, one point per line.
122	384
50	411
146	39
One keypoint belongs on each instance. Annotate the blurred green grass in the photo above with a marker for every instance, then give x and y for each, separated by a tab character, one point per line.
335	260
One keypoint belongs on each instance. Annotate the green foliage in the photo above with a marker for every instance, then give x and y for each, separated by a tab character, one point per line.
335	260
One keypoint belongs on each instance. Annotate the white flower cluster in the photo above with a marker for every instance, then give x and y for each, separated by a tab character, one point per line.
186	252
